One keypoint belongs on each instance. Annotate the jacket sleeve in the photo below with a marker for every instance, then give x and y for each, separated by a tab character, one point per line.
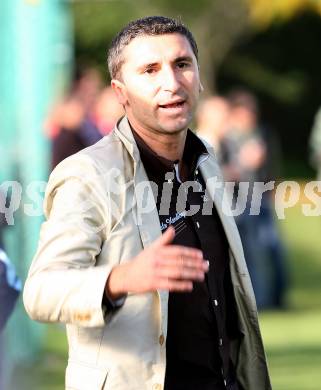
67	278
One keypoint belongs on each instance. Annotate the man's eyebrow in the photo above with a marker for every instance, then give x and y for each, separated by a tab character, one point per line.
153	64
184	58
147	65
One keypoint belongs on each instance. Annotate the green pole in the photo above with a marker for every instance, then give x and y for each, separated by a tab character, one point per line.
35	63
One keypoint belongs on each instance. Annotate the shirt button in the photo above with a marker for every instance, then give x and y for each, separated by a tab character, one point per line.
157	386
220	342
215	302
161	339
198	224
196	172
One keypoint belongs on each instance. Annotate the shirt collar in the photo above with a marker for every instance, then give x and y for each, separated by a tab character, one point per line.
157	166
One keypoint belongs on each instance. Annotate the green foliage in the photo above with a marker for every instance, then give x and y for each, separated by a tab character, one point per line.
263	13
251	71
281	66
95	24
215	24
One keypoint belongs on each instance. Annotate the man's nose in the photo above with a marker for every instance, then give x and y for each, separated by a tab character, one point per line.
170	80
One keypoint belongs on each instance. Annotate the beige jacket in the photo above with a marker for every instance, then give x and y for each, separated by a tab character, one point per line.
96	219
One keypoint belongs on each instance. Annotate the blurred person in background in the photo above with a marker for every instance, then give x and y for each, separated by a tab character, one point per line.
315	144
69	124
80	124
10	287
212	117
246	160
244	146
106	111
142	313
10	284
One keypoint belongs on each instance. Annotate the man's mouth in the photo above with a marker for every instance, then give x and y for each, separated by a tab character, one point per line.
173	104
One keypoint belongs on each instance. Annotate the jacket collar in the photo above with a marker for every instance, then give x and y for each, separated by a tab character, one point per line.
124	132
146	220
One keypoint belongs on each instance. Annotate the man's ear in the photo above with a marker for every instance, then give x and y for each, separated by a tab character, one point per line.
201	88
120	91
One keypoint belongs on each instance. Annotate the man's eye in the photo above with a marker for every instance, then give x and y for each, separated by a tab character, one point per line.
182	65
150	70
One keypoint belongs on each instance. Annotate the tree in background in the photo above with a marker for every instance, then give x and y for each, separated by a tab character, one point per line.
216	25
263	12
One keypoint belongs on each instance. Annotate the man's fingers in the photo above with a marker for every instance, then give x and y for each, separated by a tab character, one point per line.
180	262
166	238
181	273
181	251
175	285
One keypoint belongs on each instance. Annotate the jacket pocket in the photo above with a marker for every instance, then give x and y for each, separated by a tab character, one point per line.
80	376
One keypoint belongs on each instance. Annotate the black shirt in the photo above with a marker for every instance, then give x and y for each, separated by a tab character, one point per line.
201	323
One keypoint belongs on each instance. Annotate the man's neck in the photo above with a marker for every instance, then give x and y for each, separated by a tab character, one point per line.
169	146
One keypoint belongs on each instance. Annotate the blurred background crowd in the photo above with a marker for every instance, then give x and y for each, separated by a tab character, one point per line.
260	111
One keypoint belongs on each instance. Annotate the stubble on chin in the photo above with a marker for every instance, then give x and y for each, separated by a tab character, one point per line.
175	127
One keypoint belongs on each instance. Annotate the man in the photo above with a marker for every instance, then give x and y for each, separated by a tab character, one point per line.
245	162
10	287
212	118
145	310
10	284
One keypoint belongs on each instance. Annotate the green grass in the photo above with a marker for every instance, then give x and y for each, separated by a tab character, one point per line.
292	337
48	369
293	347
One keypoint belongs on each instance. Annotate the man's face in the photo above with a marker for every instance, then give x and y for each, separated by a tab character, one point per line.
159	84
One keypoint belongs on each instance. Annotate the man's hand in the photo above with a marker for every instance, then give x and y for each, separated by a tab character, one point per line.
161	266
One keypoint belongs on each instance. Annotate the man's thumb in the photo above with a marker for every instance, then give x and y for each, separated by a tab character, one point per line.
167	237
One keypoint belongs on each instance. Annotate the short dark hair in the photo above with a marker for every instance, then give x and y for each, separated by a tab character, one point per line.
150	25
243	98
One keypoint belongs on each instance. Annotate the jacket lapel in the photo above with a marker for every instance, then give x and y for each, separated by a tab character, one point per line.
215	189
147	218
